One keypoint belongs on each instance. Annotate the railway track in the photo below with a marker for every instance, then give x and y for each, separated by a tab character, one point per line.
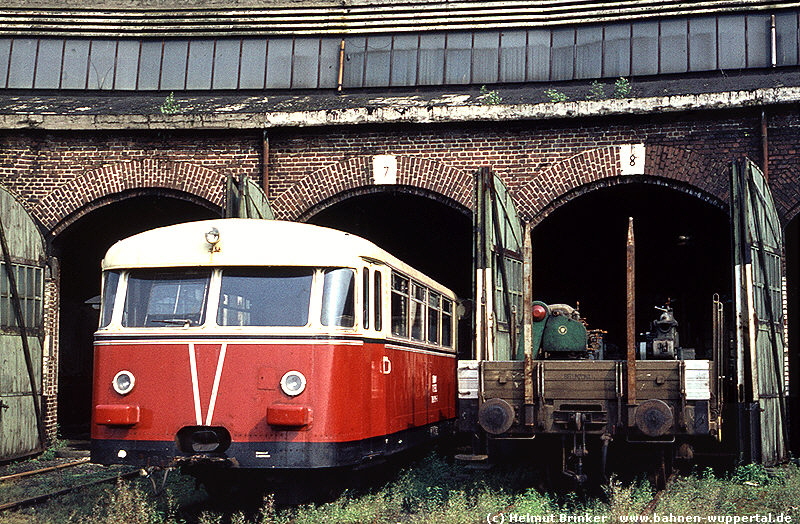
18	490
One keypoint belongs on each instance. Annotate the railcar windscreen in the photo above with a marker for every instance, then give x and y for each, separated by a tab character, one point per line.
159	298
338	298
267	296
110	282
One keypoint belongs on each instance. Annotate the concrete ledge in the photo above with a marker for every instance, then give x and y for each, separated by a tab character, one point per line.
253	112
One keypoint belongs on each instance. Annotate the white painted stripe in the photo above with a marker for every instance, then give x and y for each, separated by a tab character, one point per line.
215	389
195	385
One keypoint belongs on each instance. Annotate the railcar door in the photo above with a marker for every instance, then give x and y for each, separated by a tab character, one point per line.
22	260
498	271
758	290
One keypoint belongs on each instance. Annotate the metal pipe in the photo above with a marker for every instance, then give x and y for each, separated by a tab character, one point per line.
341	66
631	314
764	146
265	163
773	41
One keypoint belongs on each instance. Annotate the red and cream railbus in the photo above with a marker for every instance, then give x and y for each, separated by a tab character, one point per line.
267	344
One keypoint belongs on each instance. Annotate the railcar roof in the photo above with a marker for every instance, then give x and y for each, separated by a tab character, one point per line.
249	242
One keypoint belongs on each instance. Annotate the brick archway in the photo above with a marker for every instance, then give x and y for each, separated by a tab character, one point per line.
680	169
70	201
355	173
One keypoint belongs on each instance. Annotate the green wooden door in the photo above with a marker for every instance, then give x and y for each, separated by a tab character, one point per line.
22	269
758	251
246	199
498	271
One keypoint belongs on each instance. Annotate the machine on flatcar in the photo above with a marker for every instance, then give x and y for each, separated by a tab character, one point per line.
243	344
539	378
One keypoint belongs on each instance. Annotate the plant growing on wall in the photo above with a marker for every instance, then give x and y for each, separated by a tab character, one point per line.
555	95
622	88
490	97
170	106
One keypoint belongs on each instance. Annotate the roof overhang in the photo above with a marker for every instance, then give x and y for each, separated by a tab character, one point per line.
87	113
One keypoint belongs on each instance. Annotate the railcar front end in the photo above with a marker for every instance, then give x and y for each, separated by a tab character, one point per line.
267	345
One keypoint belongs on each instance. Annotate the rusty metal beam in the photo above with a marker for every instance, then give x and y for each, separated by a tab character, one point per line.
631	314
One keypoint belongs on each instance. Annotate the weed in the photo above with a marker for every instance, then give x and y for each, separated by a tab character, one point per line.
490	97
597	91
622	88
170	106
555	95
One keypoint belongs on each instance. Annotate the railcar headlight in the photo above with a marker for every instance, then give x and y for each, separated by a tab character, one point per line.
293	383
123	382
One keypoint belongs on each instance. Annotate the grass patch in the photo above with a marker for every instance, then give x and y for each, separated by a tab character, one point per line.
435	490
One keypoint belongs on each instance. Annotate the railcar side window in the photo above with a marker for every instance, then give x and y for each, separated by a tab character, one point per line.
433	317
268	296
447	322
378	298
365	297
110	281
158	298
418	294
338	298
399	305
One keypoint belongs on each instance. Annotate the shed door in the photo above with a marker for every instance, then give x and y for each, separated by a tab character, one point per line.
21	428
758	249
498	271
246	199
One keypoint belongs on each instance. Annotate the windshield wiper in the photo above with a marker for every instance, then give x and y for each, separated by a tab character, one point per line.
185	322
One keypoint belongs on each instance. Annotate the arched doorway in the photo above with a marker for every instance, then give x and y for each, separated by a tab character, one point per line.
79	248
427	231
682	256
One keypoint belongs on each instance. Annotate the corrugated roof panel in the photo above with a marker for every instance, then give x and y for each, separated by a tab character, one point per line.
758	40
173	75
329	63
5	56
254	63
538	55
76	64
644	49
786	28
731	38
562	53
305	65
23	53
279	63
674	36
486	57
703	44
102	61
458	58
404	60
513	55
226	63
127	65
354	61
378	61
200	66
588	52
48	64
617	50
431	59
150	65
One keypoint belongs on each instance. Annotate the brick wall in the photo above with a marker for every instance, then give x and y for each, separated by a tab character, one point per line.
60	177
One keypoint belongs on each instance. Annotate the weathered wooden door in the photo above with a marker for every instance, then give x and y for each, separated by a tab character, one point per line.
22	260
498	271
758	285
246	199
